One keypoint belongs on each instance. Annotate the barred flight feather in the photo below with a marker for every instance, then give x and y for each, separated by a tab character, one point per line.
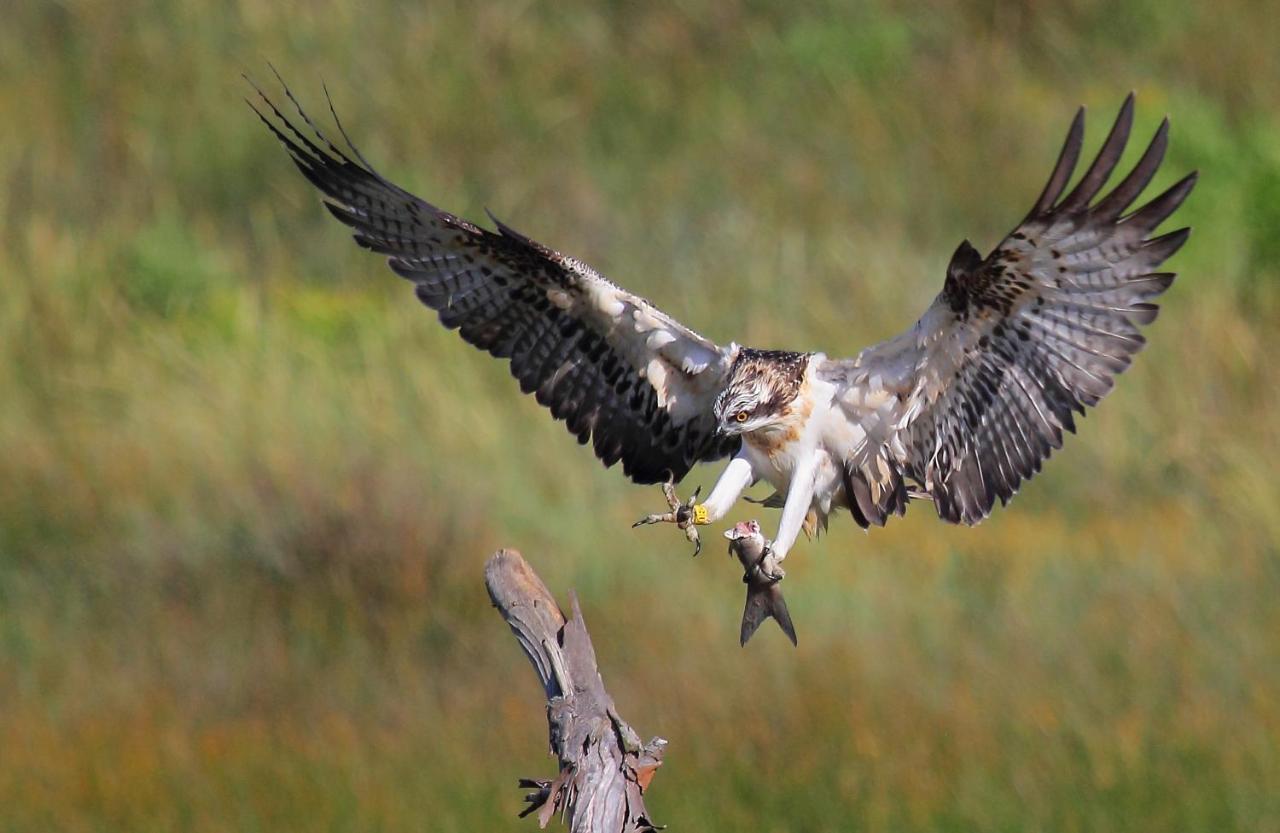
583	346
960	409
1020	341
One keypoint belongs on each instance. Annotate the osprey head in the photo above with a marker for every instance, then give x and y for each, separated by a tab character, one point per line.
761	386
743	407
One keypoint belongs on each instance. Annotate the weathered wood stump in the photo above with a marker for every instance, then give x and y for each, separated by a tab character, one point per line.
604	768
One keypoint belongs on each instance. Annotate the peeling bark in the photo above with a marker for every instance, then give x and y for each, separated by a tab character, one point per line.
604	768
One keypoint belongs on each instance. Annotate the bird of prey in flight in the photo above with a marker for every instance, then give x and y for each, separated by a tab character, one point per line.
958	410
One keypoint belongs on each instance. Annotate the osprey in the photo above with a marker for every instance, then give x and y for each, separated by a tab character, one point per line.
958	410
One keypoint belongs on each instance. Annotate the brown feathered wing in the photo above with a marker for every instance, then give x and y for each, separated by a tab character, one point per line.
620	373
973	398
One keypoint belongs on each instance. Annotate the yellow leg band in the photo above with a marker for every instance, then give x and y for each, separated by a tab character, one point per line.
700	514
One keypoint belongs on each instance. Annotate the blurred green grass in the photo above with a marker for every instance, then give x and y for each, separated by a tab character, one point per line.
248	484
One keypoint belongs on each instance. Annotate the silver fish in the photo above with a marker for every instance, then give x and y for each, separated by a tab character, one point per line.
762	576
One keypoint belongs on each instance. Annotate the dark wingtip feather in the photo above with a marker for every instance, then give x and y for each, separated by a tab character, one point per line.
1066	164
1155	212
333	111
1132	185
302	114
1159	249
1105	162
504	229
304	151
524	240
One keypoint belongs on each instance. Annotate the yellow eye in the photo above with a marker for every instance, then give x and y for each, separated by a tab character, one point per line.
741	416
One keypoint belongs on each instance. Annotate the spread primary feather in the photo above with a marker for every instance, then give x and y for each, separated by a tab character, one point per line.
960	409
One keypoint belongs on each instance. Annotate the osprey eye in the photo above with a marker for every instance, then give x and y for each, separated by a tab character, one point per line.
741	416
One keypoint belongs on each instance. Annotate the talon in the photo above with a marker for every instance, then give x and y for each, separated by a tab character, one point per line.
767	568
770	566
691	532
686	515
665	517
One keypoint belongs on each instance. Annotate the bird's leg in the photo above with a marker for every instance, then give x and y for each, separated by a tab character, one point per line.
794	511
770	565
751	547
690	514
685	515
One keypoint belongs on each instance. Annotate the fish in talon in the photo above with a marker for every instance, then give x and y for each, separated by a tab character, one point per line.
764	596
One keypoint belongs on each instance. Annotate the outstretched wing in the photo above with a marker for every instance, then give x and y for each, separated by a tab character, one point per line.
618	371
971	400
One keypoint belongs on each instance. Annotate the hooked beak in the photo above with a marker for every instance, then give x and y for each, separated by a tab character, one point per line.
727	427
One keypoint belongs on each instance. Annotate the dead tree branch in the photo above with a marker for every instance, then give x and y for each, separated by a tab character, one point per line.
604	768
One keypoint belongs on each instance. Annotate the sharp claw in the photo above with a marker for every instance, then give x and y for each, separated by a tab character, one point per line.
654	519
691	532
770	567
680	514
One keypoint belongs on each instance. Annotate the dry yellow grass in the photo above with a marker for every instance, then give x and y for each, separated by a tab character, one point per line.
247	485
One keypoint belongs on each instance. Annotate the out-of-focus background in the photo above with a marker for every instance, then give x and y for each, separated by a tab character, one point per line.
247	484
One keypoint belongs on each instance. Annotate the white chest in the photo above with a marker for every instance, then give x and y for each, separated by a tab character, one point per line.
797	445
774	462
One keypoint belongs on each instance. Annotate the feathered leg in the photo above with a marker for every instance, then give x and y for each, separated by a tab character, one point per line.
794	512
689	515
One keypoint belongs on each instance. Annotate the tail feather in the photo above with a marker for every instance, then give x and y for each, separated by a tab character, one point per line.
765	601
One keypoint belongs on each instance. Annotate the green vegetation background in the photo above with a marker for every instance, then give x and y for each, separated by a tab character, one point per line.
247	484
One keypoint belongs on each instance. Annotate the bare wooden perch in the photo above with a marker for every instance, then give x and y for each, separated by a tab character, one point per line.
604	768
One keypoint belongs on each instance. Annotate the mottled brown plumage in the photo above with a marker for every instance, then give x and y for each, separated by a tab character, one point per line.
959	410
779	373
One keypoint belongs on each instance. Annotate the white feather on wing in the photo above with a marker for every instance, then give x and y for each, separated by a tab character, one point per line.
980	390
619	372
